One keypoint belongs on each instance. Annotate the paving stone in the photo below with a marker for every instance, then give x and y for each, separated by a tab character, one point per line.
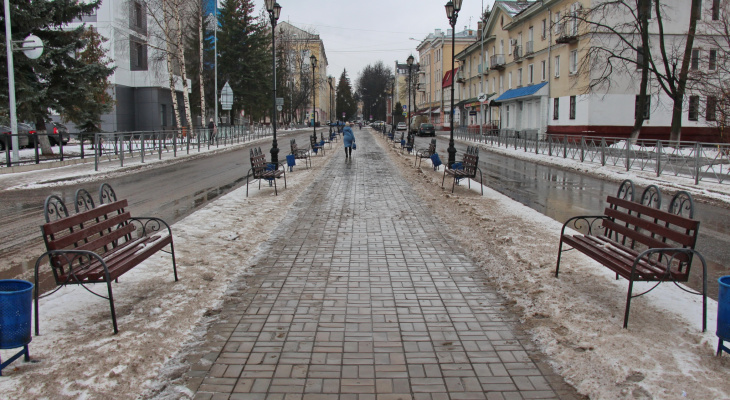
359	296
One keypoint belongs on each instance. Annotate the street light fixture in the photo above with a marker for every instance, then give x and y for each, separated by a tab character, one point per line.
409	61
274	10
313	63
452	12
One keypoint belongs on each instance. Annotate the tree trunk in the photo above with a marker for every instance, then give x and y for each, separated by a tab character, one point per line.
170	70
183	69
645	6
201	38
676	132
45	144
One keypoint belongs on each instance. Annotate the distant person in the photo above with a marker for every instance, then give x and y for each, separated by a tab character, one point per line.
359	125
211	130
349	140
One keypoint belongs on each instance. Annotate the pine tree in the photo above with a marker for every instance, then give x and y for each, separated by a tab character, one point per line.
60	79
98	101
243	57
345	100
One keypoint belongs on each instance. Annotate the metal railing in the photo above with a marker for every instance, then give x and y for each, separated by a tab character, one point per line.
699	161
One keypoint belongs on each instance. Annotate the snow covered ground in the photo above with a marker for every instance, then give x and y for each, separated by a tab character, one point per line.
575	320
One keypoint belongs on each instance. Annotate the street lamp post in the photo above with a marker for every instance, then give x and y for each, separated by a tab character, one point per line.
409	61
313	63
452	12
329	80
274	10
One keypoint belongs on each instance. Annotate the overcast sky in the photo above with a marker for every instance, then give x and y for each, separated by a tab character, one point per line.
358	33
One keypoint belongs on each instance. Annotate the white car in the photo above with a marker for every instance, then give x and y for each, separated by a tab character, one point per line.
401	126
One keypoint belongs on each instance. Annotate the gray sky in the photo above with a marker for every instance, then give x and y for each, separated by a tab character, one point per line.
358	33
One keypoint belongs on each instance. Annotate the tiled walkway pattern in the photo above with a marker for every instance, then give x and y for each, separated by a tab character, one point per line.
360	297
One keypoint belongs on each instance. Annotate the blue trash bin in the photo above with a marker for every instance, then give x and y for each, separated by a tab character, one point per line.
291	161
16	299
723	313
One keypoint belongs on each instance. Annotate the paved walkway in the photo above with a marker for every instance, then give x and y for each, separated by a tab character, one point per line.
361	298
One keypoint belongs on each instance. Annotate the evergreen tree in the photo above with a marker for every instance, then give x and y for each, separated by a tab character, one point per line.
244	43
345	101
60	79
98	100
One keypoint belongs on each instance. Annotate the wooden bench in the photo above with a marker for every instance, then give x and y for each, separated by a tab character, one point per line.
98	244
261	170
425	153
300	154
639	243
468	169
315	146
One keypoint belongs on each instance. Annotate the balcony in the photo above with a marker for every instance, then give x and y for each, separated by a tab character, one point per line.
517	53
483	69
529	49
567	33
460	77
497	61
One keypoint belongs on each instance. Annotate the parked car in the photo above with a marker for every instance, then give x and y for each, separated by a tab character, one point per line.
28	129
59	133
6	141
401	126
426	129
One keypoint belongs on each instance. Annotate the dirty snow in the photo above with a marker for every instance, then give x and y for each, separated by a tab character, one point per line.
575	320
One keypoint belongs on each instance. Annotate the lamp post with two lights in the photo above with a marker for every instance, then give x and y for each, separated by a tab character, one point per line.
274	10
452	12
313	63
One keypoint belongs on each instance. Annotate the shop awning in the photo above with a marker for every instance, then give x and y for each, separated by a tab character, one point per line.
526	91
436	110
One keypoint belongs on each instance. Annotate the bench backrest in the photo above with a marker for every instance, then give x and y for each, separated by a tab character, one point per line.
98	230
258	161
470	161
641	227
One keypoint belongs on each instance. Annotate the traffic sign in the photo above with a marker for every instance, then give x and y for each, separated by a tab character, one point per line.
227	97
405	114
405	108
279	101
279	108
482	97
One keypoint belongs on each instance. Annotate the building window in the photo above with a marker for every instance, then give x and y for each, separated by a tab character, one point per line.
544	29
574	62
647	107
711	108
509	81
713	60
519	77
556	108
137	17
715	10
501	84
695	59
557	23
544	70
639	58
571	111
137	54
531	73
557	66
694	102
163	115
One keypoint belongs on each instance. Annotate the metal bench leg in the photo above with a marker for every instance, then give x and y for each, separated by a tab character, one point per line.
560	252
111	305
628	303
172	252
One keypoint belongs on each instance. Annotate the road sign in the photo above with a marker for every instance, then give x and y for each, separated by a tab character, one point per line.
279	101
482	97
279	108
405	114
343	115
227	97
405	108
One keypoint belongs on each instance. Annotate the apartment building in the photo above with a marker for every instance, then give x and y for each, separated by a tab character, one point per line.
140	84
534	75
434	62
305	44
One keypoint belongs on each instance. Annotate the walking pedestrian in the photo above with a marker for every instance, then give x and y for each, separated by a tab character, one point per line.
349	140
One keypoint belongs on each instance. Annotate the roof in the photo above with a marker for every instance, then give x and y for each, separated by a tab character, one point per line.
449	78
520	92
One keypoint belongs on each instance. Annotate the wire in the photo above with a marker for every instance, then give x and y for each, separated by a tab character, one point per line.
351	29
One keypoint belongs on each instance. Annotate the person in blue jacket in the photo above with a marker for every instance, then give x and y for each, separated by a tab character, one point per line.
349	140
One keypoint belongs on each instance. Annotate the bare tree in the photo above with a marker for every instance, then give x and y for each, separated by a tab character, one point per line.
621	41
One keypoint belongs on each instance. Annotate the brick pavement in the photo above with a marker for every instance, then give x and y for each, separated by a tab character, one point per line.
360	297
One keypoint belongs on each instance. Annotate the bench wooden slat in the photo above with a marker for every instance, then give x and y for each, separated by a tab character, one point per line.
660	230
95	230
672	219
75	220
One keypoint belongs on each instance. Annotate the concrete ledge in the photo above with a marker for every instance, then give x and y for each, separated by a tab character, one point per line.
46	165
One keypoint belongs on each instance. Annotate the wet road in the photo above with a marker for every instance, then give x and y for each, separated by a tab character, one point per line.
174	191
561	194
170	192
